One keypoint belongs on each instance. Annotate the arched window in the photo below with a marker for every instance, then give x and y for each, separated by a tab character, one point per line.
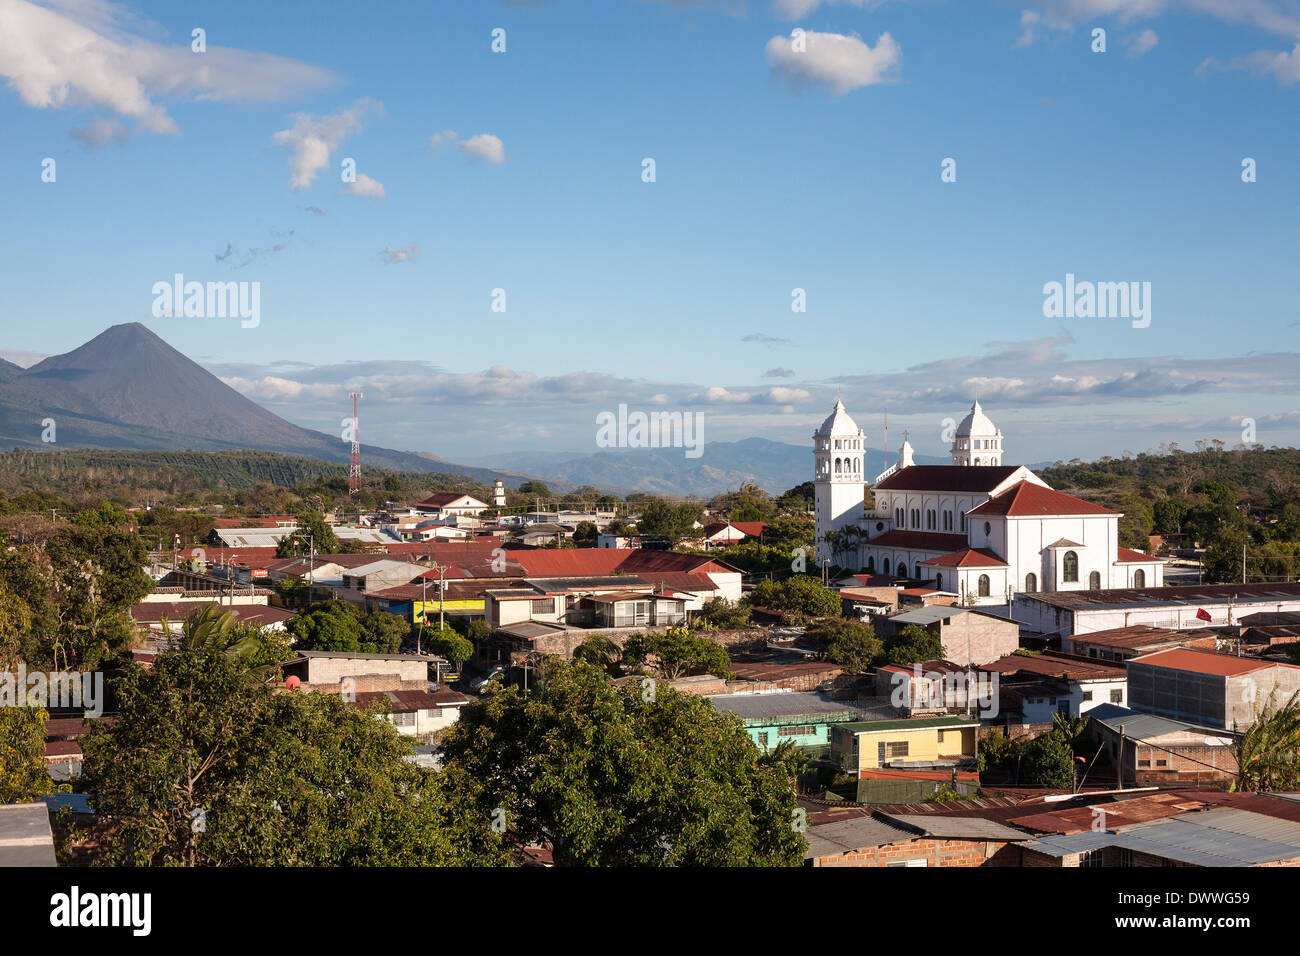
839	465
938	582
988	529
984	585
1094	581
1070	566
947	521
902	569
898	517
871	564
1139	578
1031	582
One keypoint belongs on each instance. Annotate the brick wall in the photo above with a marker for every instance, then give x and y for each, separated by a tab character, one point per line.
935	852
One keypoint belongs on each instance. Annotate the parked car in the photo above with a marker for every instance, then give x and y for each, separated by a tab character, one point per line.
480	685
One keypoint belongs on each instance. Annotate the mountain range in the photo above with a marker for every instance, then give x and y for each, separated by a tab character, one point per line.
128	389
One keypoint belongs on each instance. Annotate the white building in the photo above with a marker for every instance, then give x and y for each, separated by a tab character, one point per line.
838	449
978	528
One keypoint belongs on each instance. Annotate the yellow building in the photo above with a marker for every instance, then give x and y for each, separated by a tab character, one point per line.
922	743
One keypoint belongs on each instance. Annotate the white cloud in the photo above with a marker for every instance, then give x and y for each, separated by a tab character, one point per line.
1283	66
794	9
440	140
312	140
785	396
486	147
1140	43
717	395
393	255
90	53
366	188
99	132
841	63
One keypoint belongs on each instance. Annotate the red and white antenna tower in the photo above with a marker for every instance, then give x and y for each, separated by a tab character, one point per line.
354	468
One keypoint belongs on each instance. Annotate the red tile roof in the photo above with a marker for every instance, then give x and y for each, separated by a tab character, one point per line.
968	558
1128	555
1066	666
1025	498
968	478
1206	662
921	540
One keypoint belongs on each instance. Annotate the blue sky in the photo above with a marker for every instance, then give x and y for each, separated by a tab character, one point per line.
774	171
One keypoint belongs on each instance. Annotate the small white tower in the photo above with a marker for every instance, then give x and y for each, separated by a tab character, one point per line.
977	441
838	449
499	494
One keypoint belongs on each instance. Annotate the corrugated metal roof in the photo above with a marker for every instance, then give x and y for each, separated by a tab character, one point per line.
962	828
775	706
1220	837
1142	726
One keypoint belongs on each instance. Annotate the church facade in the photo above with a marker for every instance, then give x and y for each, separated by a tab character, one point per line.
976	528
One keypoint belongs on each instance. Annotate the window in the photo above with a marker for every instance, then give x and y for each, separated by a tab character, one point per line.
1139	578
895	750
1117	696
902	569
988	529
807	730
762	740
1144	763
1087	695
1094	581
544	606
938	586
984	585
1162	763
1031	582
404	719
1070	566
871	564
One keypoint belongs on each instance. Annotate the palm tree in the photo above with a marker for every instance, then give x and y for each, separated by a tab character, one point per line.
210	630
1266	752
1071	728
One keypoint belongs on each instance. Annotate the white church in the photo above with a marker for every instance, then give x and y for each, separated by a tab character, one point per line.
976	528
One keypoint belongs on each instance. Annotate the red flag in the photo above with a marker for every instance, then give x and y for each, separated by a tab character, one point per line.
1202	614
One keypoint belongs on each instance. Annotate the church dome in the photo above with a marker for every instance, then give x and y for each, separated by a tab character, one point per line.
838	422
976	423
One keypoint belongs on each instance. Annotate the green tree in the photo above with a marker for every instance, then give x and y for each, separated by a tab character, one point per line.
204	768
1048	762
605	777
677	653
601	652
913	645
23	777
212	630
721	614
1268	749
383	631
327	626
585	535
663	520
311	535
851	644
96	576
455	647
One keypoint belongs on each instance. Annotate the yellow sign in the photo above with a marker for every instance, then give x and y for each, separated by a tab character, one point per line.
448	607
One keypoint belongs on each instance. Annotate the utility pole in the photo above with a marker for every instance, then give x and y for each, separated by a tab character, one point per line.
1243	564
